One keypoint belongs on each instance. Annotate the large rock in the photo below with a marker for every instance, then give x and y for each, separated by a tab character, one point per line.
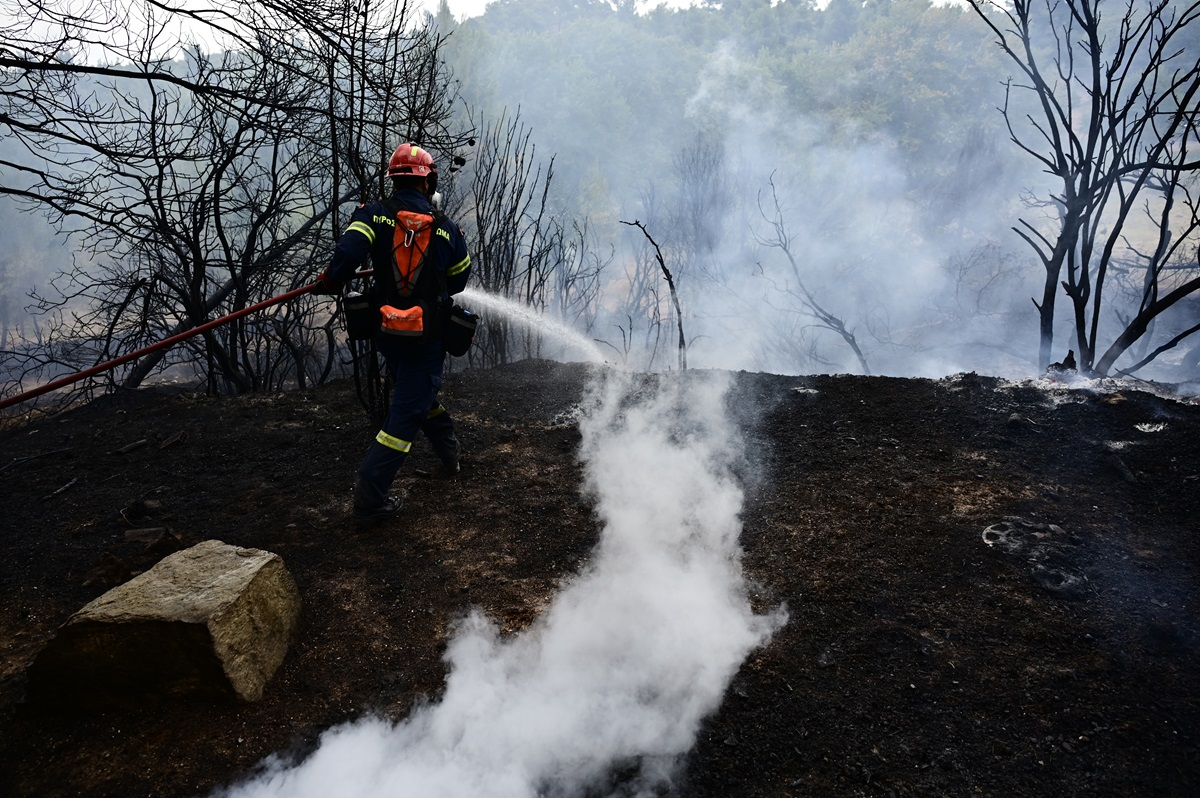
214	620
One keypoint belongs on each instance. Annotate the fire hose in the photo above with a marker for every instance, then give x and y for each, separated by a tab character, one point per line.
163	344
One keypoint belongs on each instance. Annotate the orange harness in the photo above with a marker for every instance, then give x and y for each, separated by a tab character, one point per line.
409	243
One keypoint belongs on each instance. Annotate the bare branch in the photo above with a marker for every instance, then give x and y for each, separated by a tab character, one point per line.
670	286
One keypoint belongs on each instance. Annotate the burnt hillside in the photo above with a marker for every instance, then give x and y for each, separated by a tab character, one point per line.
991	588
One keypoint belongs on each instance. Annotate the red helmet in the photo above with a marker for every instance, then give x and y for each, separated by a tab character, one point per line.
409	159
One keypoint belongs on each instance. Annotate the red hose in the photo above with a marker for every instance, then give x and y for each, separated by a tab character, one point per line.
174	339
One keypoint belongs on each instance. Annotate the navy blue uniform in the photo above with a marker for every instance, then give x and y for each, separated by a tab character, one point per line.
416	368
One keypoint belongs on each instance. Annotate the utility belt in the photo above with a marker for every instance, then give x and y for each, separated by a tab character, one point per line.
369	317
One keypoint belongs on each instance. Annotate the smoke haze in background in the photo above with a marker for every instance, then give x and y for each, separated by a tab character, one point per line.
921	302
900	213
929	278
633	653
914	253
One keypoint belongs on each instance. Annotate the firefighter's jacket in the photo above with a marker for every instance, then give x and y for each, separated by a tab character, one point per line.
369	236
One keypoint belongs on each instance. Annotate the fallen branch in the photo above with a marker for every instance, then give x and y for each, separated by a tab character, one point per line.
60	490
19	460
132	447
178	437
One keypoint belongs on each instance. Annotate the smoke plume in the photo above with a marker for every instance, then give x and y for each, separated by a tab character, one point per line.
631	656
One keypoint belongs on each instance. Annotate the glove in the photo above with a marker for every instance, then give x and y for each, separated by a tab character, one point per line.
325	284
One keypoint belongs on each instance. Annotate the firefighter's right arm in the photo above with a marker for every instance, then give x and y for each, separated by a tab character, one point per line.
353	249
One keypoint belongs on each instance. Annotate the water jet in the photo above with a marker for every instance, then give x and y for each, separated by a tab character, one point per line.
553	329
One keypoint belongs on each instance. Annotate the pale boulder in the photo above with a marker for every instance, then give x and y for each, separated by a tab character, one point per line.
213	620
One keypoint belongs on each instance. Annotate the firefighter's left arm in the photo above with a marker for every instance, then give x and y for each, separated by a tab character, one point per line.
459	261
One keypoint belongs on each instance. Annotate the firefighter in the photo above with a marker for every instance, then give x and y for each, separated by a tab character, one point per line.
413	349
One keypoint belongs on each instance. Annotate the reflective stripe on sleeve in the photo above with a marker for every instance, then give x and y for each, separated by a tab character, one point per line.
392	442
437	411
364	228
459	267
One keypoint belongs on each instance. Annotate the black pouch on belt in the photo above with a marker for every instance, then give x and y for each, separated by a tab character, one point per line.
362	316
460	331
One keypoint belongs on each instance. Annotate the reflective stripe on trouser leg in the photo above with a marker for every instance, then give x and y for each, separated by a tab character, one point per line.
378	469
376	474
393	442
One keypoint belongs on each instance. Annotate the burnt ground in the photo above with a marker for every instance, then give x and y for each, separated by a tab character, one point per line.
1055	654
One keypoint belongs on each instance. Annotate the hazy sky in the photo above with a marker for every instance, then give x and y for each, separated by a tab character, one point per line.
461	9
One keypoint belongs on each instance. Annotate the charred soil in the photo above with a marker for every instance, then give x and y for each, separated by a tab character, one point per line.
991	588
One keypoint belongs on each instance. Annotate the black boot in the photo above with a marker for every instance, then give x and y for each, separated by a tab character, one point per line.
389	508
449	458
365	509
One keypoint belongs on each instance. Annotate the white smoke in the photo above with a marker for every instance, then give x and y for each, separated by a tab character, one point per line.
928	286
633	653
